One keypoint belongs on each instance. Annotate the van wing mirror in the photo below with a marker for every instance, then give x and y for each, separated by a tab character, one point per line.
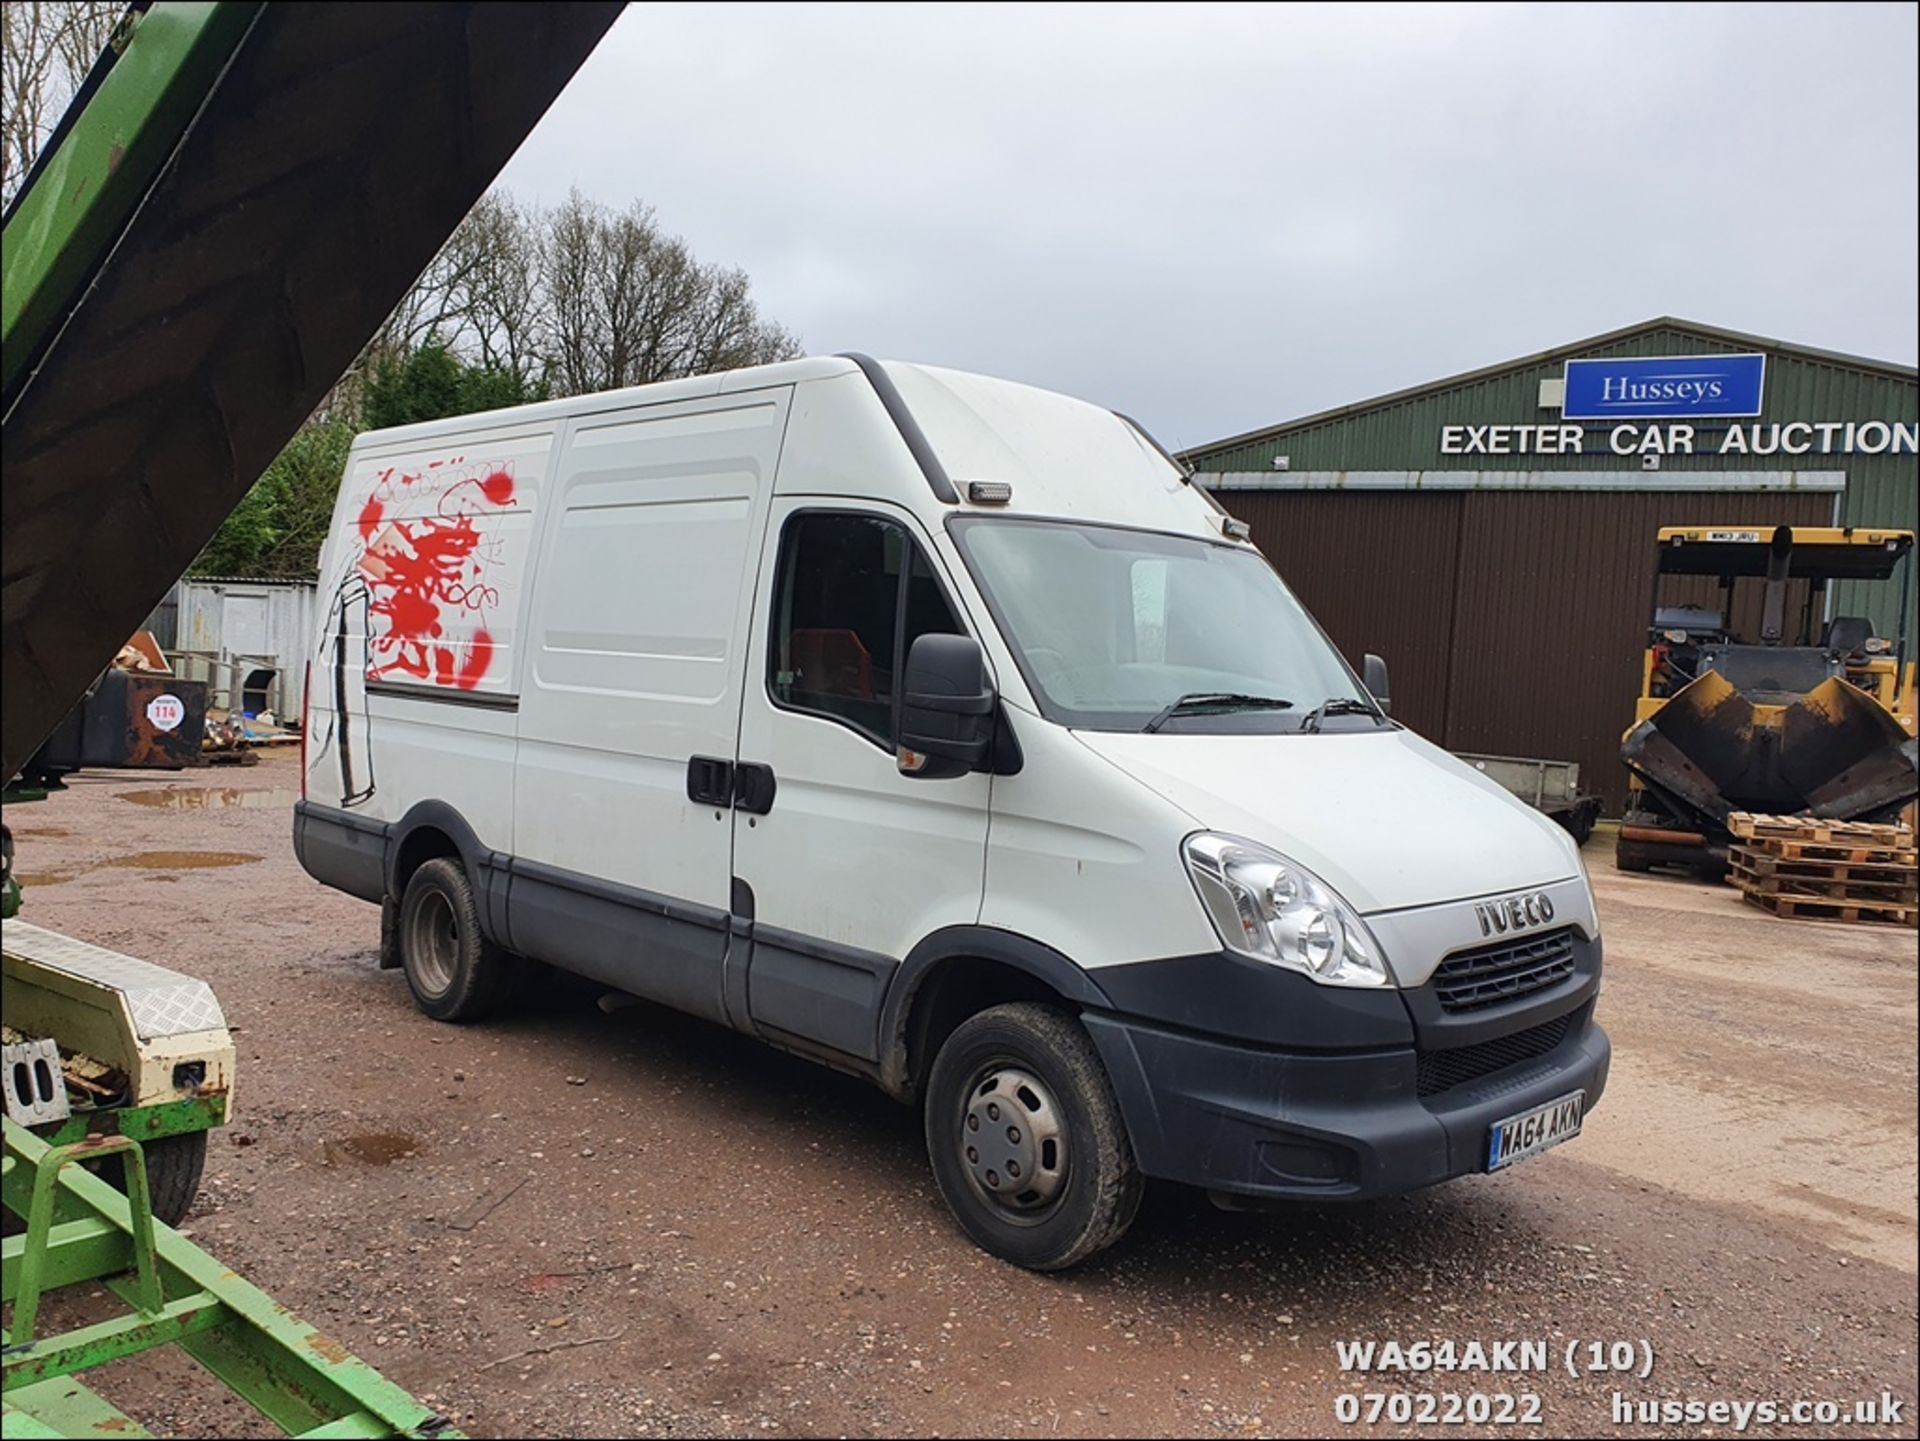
1373	674
947	709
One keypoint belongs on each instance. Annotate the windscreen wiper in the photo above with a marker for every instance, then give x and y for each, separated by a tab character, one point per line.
1214	700
1339	705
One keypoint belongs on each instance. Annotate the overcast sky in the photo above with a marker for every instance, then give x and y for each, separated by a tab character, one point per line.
1215	219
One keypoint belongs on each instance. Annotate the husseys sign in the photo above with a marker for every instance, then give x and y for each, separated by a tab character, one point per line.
1719	388
1676	385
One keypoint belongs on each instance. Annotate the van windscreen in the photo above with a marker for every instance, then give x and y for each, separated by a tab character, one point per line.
1112	627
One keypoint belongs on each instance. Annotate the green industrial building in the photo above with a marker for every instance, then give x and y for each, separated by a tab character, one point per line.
1492	534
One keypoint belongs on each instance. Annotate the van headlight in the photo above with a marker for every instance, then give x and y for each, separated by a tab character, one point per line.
1273	909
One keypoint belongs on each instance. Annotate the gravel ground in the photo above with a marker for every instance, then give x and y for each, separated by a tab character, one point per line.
745	1243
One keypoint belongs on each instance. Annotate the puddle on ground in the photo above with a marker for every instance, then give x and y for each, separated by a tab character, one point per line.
146	861
378	1148
210	798
182	860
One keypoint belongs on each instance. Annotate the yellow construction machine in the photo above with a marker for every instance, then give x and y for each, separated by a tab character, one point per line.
1753	698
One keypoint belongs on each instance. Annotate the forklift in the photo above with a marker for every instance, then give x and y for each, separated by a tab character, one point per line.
1778	715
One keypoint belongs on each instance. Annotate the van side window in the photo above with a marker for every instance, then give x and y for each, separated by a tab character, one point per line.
851	595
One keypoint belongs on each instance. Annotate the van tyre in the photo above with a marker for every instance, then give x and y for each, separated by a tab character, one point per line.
1027	1142
453	970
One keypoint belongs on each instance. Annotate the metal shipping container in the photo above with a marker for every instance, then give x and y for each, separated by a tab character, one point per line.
230	630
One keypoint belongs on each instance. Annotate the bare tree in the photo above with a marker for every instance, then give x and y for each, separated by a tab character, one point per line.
46	49
504	318
580	298
571	294
629	304
480	296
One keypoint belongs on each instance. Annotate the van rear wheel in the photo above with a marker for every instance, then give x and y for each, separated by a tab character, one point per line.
453	970
1027	1142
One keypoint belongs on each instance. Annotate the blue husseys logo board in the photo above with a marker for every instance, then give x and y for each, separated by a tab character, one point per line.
1664	385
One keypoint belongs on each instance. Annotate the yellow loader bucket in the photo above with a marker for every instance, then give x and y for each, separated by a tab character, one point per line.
1833	752
1845	754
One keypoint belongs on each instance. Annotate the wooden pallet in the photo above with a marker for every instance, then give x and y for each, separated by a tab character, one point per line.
1892	893
1769	862
1801	866
1748	826
1829	908
1834	852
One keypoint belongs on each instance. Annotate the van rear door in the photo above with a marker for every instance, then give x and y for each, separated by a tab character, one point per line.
630	713
418	653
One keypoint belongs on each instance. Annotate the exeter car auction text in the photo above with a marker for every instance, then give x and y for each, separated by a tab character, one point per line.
1799	437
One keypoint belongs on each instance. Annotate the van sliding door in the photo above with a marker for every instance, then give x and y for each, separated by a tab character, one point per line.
622	862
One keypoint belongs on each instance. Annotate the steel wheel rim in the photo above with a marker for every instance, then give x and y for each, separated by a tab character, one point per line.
1012	1140
433	943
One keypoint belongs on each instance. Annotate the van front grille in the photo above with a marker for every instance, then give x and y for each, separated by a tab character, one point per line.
1438	1071
1505	971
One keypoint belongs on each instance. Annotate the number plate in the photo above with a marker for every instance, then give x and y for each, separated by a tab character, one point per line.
1531	1132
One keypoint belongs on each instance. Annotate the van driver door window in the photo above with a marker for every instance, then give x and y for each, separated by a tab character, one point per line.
853	594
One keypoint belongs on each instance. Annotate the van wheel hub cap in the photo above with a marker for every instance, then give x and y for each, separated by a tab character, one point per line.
433	947
1014	1139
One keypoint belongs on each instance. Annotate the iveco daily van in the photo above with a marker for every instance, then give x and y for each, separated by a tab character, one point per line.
940	729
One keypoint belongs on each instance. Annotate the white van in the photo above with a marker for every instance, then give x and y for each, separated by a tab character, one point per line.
939	729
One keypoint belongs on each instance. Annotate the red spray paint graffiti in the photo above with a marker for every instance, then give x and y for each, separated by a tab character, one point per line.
428	596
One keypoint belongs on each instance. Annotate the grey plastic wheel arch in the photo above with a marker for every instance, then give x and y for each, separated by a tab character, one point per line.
969	943
486	868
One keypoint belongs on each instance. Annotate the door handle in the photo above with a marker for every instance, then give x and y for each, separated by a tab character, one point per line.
753	787
710	781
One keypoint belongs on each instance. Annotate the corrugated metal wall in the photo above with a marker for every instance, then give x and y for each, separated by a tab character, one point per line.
272	620
1379	572
1511	622
164	622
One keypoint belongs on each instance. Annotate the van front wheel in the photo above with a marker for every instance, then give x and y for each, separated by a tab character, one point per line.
1026	1139
453	970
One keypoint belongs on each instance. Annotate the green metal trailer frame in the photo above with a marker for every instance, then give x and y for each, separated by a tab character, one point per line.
80	1230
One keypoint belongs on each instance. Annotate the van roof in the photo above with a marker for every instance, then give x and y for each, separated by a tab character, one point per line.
691	387
1063	457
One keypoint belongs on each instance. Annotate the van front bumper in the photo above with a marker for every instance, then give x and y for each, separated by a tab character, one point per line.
1282	1124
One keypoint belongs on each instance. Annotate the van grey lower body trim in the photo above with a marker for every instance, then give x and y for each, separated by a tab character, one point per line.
666	950
815	996
1282	1124
340	849
653	946
1226	996
818	990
